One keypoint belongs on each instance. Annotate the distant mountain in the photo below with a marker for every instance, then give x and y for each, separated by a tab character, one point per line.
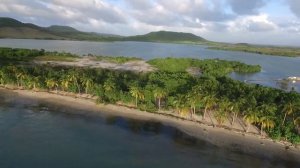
11	28
166	36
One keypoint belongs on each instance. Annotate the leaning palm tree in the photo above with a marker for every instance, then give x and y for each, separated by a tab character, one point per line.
225	107
209	103
250	118
234	110
33	82
137	93
266	122
159	93
288	109
21	76
193	99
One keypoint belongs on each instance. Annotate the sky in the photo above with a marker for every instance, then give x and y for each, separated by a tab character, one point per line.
275	22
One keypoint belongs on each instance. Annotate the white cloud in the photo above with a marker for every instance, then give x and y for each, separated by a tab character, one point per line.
257	23
215	19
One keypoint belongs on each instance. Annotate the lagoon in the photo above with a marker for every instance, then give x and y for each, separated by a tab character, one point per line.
274	68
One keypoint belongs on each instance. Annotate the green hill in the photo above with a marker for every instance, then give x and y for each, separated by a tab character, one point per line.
166	36
11	28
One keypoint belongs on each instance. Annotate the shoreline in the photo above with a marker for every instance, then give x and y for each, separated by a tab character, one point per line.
218	136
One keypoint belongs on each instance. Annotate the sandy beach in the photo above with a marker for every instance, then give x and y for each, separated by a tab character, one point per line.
231	140
135	66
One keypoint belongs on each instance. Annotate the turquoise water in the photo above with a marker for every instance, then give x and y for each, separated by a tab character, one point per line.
34	133
274	67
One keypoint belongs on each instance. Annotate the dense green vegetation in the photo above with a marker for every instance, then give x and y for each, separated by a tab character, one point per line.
267	50
116	59
275	111
14	54
11	55
213	67
166	36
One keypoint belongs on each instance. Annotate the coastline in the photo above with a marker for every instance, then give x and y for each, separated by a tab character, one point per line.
231	140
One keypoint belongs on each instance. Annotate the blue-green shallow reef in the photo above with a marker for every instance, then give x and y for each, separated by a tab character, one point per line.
38	134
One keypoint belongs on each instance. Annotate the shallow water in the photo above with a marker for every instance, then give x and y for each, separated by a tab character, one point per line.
38	134
274	67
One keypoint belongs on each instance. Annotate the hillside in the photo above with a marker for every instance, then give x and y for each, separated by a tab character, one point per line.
166	36
11	28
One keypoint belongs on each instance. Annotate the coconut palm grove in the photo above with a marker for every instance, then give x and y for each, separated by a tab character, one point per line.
169	89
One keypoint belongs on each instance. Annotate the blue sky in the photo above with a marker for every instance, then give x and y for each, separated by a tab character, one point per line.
253	21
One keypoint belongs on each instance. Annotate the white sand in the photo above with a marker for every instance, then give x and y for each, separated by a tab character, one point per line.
136	66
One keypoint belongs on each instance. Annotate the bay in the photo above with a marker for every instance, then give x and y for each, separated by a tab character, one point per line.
274	68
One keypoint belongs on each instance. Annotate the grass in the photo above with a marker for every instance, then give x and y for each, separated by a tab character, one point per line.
56	58
171	64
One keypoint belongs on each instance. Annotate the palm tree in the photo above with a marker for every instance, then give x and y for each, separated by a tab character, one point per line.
180	105
209	103
65	84
234	110
192	102
224	108
250	118
297	122
159	93
74	77
179	102
288	109
51	83
266	122
137	93
88	83
2	77
109	85
21	76
33	82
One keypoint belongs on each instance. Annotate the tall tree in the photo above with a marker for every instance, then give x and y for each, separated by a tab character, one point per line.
266	122
137	93
250	118
74	77
209	102
288	109
88	84
52	83
159	93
